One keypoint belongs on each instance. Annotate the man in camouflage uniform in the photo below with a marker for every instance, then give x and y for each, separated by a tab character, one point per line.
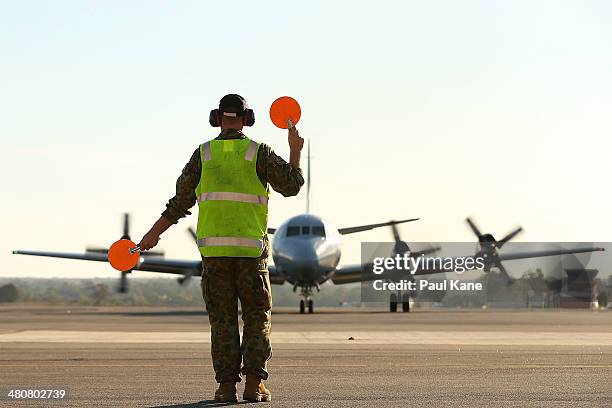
227	279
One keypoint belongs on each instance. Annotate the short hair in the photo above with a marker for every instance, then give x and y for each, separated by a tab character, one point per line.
231	120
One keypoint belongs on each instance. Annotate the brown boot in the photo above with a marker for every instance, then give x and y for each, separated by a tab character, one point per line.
255	390
226	392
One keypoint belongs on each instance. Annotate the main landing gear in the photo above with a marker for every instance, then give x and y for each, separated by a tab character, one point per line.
404	299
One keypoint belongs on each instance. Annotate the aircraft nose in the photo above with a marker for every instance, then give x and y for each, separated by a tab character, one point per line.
302	253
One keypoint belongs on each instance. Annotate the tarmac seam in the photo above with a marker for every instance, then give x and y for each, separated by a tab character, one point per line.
321	337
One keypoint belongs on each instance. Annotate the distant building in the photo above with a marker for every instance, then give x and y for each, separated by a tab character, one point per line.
579	288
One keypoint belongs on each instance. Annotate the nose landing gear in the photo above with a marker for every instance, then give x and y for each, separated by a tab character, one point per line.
306	292
303	306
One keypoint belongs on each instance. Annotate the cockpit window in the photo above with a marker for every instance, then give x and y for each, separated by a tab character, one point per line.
291	231
318	230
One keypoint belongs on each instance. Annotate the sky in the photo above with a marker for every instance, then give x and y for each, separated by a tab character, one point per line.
437	110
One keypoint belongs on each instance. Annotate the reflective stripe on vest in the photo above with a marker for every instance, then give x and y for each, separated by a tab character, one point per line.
206	151
250	153
240	197
230	241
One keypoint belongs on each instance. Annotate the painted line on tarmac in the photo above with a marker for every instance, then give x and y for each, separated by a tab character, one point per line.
321	337
449	366
79	364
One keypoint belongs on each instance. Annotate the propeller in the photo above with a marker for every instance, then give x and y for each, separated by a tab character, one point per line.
183	279
489	241
508	237
125	235
123	283
504	273
96	250
126	226
400	247
488	238
474	228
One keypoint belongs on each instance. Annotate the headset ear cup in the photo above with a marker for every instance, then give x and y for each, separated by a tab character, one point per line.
213	118
249	117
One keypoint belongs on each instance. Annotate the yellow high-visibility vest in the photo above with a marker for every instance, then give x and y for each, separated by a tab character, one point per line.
232	201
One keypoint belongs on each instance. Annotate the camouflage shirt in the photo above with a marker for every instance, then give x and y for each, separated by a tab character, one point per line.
271	169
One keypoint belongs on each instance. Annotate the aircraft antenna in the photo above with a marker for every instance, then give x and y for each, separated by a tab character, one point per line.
308	179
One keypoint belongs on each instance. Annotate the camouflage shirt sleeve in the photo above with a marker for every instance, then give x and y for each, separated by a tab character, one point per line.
185	197
282	176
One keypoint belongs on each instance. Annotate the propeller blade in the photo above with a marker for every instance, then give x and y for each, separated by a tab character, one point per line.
504	273
473	226
193	234
126	226
400	246
183	279
123	283
508	237
396	235
96	250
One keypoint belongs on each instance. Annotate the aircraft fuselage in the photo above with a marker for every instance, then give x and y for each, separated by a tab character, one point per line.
306	250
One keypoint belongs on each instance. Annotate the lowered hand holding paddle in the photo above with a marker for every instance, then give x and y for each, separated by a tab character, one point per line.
124	255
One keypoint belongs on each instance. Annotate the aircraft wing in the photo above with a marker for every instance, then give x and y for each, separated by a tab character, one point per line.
175	266
178	266
89	256
353	273
359	228
149	264
550	252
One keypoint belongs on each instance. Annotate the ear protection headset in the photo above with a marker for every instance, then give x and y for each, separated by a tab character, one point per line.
248	117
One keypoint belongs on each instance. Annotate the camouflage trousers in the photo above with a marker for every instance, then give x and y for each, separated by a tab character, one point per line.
224	282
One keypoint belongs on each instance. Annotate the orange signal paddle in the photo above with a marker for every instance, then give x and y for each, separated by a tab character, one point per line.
285	112
123	255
